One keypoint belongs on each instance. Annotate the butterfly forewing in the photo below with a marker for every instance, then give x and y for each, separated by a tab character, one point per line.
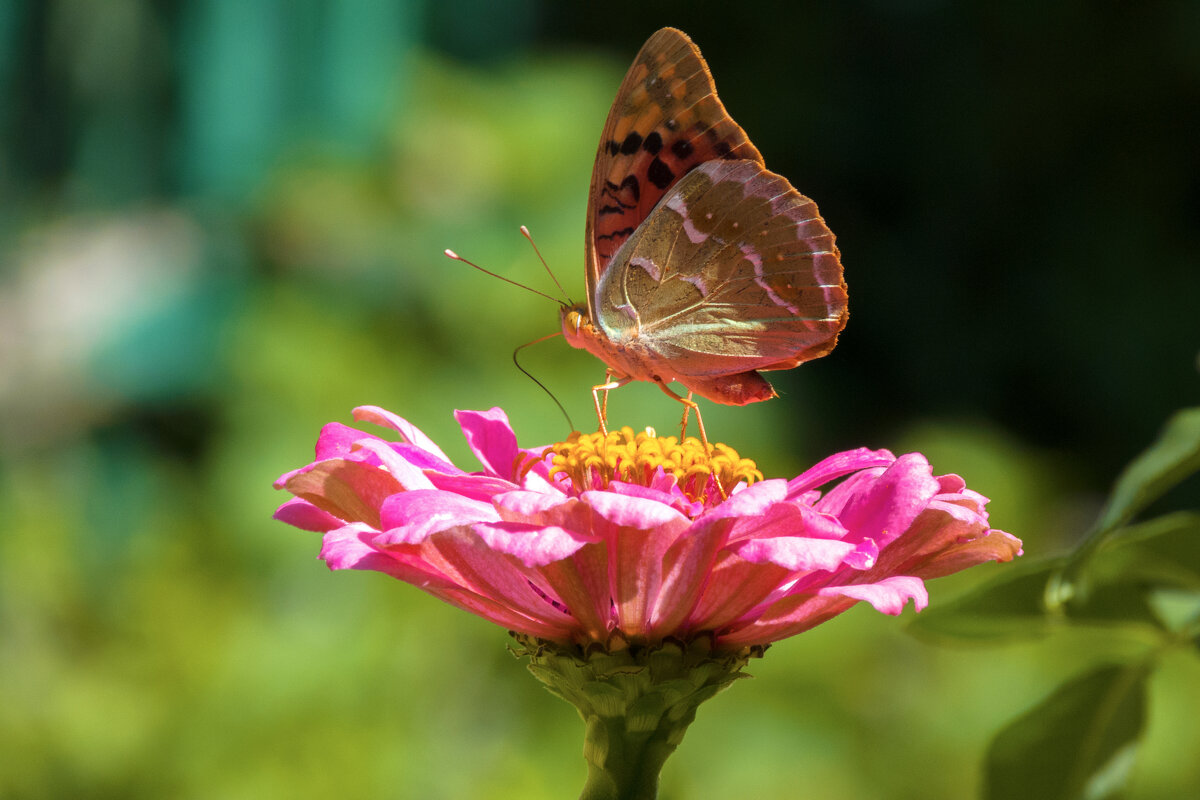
735	270
666	119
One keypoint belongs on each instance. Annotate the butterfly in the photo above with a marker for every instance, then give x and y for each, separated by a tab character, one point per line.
703	266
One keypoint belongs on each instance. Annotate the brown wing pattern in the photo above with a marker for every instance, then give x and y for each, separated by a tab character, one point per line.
735	271
666	119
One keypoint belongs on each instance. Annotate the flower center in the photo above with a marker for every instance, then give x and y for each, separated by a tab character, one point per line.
592	460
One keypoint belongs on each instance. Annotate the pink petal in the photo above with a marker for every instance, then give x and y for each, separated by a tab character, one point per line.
787	519
476	486
496	611
865	555
535	480
975	498
352	547
536	477
412	517
537	508
582	583
884	508
638	533
423	459
461	555
887	596
337	440
759	561
962	509
350	490
410	432
995	546
945	538
491	439
532	545
282	480
787	617
407	475
687	566
734	587
305	516
952	484
753	499
835	466
795	553
349	548
559	629
634	512
667	493
663	482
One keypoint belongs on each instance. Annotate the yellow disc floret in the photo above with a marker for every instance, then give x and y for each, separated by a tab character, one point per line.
592	460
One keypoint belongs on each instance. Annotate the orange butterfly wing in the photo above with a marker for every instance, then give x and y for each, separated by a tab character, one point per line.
666	120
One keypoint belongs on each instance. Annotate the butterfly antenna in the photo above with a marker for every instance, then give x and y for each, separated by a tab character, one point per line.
553	277
457	257
539	383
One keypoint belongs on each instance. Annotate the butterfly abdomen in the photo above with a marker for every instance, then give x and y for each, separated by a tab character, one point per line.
733	390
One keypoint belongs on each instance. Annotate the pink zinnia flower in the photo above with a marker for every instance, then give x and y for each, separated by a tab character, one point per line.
634	537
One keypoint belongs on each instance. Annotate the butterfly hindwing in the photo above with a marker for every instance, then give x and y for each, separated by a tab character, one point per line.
734	270
666	119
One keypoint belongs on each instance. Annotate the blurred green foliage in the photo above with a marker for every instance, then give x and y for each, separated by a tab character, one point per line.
221	226
1139	581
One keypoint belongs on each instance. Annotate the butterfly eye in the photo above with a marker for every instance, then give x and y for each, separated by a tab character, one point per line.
572	322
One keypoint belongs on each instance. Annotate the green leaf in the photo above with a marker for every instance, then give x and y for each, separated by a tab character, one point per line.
1166	548
1120	603
1172	458
1133	566
1122	579
1008	607
1162	557
1077	743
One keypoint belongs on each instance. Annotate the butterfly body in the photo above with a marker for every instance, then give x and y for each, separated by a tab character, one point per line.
703	267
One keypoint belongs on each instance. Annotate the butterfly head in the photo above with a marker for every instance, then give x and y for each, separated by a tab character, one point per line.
582	334
575	325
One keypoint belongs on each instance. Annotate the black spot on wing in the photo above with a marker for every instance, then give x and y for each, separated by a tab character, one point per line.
618	234
621	197
660	174
653	143
631	185
631	144
723	150
682	148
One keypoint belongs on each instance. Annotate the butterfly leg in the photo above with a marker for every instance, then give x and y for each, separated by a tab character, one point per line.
687	410
689	405
608	376
602	407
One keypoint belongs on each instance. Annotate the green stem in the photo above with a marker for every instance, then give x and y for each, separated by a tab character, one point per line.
623	765
637	701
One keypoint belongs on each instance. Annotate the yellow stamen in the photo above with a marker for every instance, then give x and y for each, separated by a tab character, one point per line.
591	460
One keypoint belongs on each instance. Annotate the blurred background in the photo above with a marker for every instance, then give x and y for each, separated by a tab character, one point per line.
221	226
